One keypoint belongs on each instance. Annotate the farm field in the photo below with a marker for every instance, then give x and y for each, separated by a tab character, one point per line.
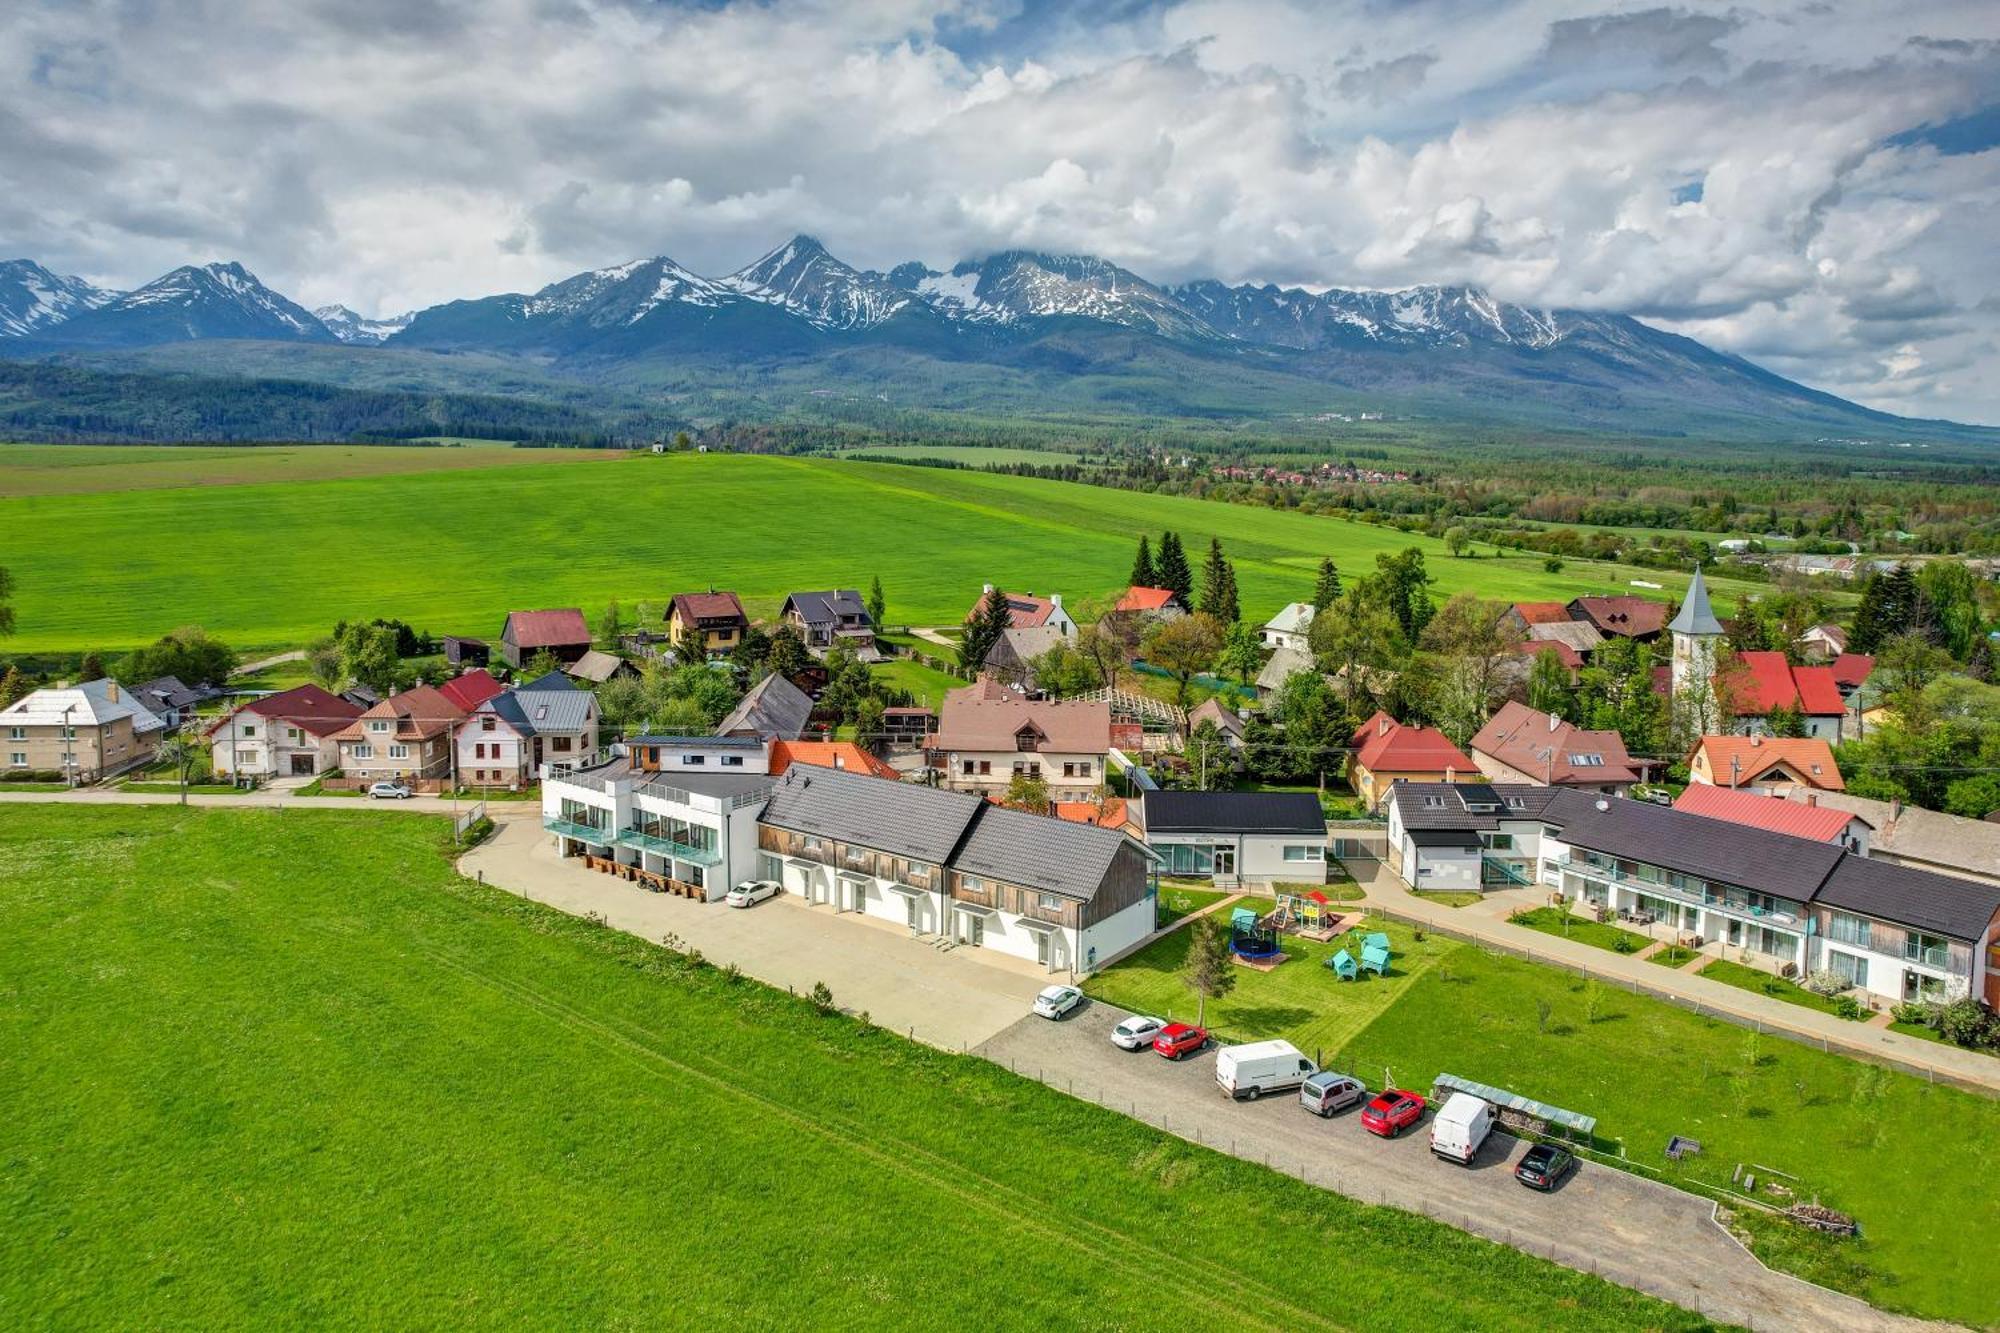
273	1068
69	469
452	551
971	455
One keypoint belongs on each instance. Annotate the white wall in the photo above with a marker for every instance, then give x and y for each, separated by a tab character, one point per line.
1117	932
1443	868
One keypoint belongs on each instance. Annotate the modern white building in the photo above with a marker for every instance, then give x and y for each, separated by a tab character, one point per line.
1237	837
1466	836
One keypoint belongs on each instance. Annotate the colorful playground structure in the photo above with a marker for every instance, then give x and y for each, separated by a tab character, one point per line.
1254	939
1374	958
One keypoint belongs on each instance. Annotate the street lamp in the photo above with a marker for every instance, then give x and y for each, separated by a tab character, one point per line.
69	747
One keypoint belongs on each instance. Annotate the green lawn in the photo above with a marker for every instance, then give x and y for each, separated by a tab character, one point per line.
1597	934
174	788
1451	897
1672	956
1301	1001
69	469
1176	901
927	683
1914	1162
972	455
1763	983
109	570
282	1068
34	786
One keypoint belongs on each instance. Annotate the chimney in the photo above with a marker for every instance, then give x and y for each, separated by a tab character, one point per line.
111	690
1755	740
1895	809
1055	599
1812	798
989	589
1554	722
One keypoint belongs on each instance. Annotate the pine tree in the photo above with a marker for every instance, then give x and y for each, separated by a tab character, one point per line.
1143	573
878	605
1888	608
1232	609
1174	573
1216	596
984	630
1327	591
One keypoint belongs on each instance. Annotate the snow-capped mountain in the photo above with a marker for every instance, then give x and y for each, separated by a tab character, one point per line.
33	299
801	277
1417	317
212	301
1018	285
350	327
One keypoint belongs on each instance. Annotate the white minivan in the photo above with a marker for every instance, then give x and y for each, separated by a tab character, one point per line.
1462	1126
1259	1067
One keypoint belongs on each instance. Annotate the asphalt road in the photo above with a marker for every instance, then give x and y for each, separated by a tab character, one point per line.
1633	1231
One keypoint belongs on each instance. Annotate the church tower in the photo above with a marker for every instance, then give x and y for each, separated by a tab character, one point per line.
1696	633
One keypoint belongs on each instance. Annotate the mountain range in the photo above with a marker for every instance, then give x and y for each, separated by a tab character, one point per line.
1017	331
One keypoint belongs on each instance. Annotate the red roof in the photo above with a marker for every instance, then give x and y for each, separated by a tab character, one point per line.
1756	810
1113	814
307	707
471	689
844	755
1565	654
1385	745
1137	598
697	606
1541	613
1632	617
419	712
1551	750
1024	609
1763	682
1807	756
546	629
1851	670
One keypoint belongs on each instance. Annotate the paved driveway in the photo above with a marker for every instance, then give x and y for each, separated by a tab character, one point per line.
1633	1231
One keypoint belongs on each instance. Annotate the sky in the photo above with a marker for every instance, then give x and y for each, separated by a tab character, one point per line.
1812	185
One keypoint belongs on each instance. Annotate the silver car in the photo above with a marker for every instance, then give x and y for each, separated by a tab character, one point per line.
1327	1092
1136	1033
389	791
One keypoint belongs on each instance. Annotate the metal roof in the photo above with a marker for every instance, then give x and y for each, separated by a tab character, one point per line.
774	709
1574	1121
1037	852
1696	616
1946	904
1750	858
1468	805
1233	812
923	823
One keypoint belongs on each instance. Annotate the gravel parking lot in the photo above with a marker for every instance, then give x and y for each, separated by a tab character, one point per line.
1633	1231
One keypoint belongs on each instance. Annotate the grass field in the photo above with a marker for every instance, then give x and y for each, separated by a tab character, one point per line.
1763	983
69	469
1597	934
453	550
970	454
280	1068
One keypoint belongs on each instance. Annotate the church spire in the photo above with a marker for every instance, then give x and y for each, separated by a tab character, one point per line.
1696	616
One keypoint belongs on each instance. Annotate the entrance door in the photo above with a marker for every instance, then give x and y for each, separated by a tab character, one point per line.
915	911
1042	947
302	764
1225	863
1735	932
973	932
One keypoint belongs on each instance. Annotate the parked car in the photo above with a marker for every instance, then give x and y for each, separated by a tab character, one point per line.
1327	1092
1056	1001
1391	1112
389	791
751	891
1544	1166
1258	1067
1462	1124
1136	1033
1179	1039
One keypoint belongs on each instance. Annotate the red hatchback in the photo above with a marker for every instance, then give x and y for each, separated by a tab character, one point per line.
1178	1039
1392	1112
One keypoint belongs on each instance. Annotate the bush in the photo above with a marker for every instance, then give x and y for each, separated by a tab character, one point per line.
1966	1022
1916	1013
1826	982
31	775
1846	1006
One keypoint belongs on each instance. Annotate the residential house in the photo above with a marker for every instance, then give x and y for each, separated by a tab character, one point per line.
1621	617
1010	659
1850	672
1237	838
1524	616
1387	752
560	633
825	620
1909	835
1578	637
844	755
596	667
1520	744
710	623
173	702
469	689
1113	812
773	709
1226	720
407	738
907	725
1756	809
564	719
1823	643
1159	603
496	744
84	732
1068	896
461	650
1279	667
1027	611
1288	628
1772	764
287	734
1758	684
988	735
1465	836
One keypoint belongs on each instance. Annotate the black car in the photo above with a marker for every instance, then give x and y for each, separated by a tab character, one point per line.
1544	1166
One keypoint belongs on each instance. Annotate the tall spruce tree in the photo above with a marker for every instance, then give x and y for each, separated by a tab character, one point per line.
1327	591
1888	608
1174	572
1143	573
1215	580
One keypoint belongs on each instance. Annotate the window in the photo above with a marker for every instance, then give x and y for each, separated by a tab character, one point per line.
17	733
560	744
694	760
1048	902
364	751
19	758
1931	950
399	752
378	726
479	750
1848	967
488	723
985	767
248	732
1845	928
1499	842
1311	851
732	761
969	767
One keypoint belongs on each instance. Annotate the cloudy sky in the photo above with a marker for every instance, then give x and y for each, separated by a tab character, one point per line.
1815	185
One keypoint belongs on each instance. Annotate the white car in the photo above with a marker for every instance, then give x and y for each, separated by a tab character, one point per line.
1057	1001
1136	1033
389	791
751	891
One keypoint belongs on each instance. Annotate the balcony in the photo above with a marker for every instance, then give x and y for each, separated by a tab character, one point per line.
589	833
1662	889
647	842
1938	956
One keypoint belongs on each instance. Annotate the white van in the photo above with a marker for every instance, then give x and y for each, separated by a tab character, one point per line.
1260	1067
1462	1126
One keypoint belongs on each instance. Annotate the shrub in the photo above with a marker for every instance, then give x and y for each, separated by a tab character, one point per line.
1622	944
1846	1006
822	997
1826	981
1918	1013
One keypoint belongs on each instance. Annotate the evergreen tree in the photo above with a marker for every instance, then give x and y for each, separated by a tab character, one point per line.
1173	570
1143	573
6	601
1888	608
1218	585
1548	685
1230	605
788	654
1327	591
92	667
984	630
878	605
12	687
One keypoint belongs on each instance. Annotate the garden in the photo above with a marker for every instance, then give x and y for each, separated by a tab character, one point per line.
1582	929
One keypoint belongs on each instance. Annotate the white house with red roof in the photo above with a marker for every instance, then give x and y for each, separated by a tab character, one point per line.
1758	684
287	734
1027	611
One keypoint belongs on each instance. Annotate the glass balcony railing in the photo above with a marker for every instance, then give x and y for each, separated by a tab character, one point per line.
571	829
1661	889
701	856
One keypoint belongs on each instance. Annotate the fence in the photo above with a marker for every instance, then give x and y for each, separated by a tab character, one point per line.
467	818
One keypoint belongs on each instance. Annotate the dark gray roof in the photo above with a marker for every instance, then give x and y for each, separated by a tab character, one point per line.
170	692
1696	616
1468	805
823	608
1716	849
1941	904
1233	812
548	707
774	709
553	681
923	823
1037	852
507	705
1445	837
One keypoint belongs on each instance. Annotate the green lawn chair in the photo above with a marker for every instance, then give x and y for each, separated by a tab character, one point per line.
1343	966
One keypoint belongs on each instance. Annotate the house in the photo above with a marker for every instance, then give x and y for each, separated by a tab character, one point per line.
1572	661
1462	836
1281	666
1823	643
496	744
1288	628
988	735
826	619
1226	720
564	719
83	732
709	623
560	633
1524	616
774	709
407	738
1161	603
907	725
1621	617
596	667
469	689
1113	812
1520	744
1850	672
1237	838
1027	611
1922	839
464	651
1067	896
287	734
173	702
1010	658
1756	809
1757	684
1767	763
1579	637
1387	752
845	755
1795	905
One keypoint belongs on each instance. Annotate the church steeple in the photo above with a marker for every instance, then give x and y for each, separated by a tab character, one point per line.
1696	616
1695	633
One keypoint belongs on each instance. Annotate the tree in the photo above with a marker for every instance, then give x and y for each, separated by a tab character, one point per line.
91	667
13	686
1210	971
183	751
1218	585
1184	648
539	665
848	682
1028	793
1207	755
1401	586
753	650
368	656
621	701
1355	638
187	653
1063	671
325	666
1549	686
988	623
868	728
788	654
610	627
1109	644
1143	573
1974	798
1786	720
1949	596
1326	591
878	605
6	601
1457	540
1474	642
1174	573
1317	728
1242	652
1888	608
1553	564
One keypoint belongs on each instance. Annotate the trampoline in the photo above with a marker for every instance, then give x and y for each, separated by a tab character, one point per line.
1254	942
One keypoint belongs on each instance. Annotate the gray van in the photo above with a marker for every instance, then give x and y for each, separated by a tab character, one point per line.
1327	1092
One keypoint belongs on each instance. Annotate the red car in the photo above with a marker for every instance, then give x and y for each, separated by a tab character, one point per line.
1178	1039
1392	1112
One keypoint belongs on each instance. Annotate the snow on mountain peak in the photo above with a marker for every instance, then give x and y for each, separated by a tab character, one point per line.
32	298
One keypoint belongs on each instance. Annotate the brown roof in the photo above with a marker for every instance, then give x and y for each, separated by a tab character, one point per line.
1553	751
419	712
1807	756
1541	613
988	716
545	629
1024	609
307	707
1628	617
698	606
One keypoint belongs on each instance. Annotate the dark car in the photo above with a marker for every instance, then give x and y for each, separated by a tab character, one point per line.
1392	1112
1544	1166
1179	1039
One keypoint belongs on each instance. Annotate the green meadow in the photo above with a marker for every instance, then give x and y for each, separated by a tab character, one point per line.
275	564
287	1068
67	469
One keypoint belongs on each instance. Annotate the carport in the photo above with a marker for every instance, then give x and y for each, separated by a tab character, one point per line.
1518	1112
